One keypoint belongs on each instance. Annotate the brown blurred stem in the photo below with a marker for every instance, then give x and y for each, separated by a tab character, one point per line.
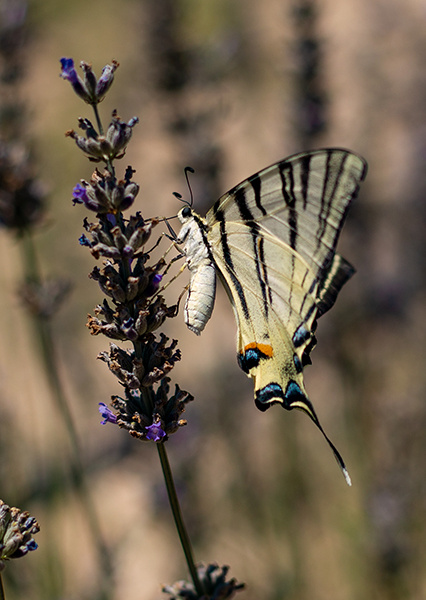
2	596
44	335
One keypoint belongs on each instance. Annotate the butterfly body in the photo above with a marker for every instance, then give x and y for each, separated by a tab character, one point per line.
272	241
202	288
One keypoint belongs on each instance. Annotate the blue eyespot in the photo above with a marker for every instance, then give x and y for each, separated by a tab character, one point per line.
252	354
249	359
301	335
297	363
293	393
269	395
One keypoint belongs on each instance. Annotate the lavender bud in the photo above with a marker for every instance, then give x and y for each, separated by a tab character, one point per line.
105	80
89	79
16	531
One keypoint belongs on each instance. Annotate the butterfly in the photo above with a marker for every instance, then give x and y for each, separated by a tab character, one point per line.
272	241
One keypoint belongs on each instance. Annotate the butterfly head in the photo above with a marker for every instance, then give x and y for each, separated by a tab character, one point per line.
185	214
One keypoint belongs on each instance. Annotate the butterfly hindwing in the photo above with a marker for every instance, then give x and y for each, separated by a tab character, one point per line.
276	318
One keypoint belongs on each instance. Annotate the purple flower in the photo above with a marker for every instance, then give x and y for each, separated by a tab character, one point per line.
70	74
155	432
154	284
105	80
87	196
30	546
79	194
107	414
68	71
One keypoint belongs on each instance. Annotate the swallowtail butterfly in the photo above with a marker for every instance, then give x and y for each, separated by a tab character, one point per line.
272	241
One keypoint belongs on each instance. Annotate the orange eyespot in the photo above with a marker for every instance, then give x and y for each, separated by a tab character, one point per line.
265	349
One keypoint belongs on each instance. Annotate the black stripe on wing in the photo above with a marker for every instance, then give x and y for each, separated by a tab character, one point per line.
334	278
204	234
256	183
226	251
305	165
239	197
287	189
257	239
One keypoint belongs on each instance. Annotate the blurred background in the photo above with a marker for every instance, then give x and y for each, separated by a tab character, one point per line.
228	87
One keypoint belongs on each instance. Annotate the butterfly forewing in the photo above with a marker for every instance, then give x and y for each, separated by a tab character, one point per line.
302	200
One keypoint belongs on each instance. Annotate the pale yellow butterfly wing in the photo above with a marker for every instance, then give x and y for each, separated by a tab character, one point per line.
273	240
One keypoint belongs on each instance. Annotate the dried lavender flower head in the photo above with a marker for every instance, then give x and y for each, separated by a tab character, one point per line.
104	147
16	531
213	581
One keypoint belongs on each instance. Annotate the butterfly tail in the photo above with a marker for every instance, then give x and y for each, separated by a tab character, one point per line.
295	398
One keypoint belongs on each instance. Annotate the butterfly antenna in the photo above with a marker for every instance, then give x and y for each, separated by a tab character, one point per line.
179	196
189	170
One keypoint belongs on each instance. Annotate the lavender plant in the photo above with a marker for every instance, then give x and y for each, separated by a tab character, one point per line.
22	211
16	536
133	309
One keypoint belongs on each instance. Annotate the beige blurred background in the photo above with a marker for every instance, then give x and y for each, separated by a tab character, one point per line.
230	87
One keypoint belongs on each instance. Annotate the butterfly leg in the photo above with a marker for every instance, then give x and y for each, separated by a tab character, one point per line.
181	270
180	255
176	306
162	261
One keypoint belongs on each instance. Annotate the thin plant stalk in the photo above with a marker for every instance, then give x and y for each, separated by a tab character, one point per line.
177	516
98	121
44	335
2	596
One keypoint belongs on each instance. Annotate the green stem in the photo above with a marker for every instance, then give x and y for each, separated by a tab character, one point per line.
98	119
49	356
177	515
109	163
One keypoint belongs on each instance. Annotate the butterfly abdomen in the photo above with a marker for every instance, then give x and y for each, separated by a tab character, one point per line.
200	300
202	285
